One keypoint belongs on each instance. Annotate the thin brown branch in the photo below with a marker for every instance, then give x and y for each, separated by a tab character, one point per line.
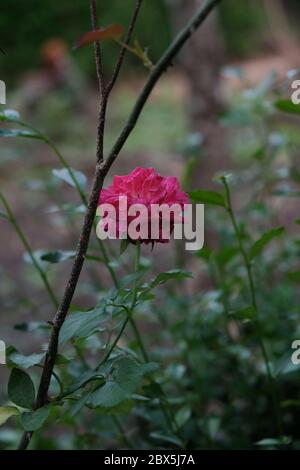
101	171
125	45
98	52
102	88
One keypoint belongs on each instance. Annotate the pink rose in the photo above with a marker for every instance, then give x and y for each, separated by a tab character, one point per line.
147	187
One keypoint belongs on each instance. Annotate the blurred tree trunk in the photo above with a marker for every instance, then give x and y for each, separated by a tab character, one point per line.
201	62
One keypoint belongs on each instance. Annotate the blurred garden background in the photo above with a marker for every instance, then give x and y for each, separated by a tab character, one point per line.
223	108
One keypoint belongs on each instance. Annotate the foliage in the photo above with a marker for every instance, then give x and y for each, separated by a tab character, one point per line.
175	359
247	20
39	24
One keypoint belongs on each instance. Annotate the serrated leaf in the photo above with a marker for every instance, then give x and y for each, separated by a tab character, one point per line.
7	412
64	175
207	197
34	420
21	389
58	256
19	133
267	237
114	31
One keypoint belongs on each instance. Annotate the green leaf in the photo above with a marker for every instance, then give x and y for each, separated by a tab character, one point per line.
126	376
37	255
270	442
29	327
290	403
226	254
9	115
7	412
62	360
73	209
267	442
19	133
21	389
286	367
287	106
57	256
64	175
260	244
83	324
34	420
79	404
142	54
183	415
85	378
109	396
166	438
207	197
247	313
205	254
25	362
45	257
123	408
259	153
175	274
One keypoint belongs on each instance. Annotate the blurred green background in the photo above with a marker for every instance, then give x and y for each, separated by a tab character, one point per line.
25	26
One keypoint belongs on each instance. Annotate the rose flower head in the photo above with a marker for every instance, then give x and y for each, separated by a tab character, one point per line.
142	206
